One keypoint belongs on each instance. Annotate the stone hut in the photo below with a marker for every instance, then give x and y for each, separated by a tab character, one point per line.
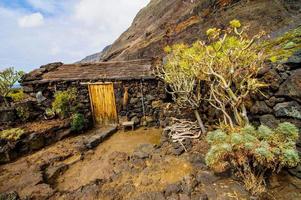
108	92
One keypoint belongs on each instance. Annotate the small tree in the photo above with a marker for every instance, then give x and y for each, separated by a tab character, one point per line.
180	75
8	77
229	64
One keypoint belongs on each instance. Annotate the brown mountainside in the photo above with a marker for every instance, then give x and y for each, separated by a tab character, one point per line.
164	22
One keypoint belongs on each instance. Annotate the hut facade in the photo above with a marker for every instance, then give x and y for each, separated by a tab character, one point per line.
108	92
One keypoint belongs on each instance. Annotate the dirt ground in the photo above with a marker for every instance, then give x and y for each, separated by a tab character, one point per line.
128	165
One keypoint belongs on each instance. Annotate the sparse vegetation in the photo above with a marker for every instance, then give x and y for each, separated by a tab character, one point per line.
64	103
77	122
11	134
252	152
8	77
279	49
17	95
23	113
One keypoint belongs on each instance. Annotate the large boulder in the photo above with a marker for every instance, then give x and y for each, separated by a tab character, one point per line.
292	86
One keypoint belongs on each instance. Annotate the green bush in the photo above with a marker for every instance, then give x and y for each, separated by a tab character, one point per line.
17	95
77	122
65	102
23	113
11	134
253	151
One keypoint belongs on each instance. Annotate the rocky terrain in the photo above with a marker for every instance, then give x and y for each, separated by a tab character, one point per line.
129	165
164	22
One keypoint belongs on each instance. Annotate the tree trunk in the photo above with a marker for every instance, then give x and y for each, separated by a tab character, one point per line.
201	124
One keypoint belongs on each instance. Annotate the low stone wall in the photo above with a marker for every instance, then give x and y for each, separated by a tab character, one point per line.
32	141
19	113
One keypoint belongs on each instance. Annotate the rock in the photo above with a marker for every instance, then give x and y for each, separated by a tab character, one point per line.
288	109
36	141
136	120
188	184
98	137
198	161
172	188
134	100
206	177
7	115
144	151
53	172
273	79
149	97
292	86
269	120
9	196
178	150
147	120
263	70
274	100
295	60
157	104
260	107
296	171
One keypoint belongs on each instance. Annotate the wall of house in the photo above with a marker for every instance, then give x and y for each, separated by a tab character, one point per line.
150	93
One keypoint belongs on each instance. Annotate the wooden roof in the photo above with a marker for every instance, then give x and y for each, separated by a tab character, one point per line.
119	70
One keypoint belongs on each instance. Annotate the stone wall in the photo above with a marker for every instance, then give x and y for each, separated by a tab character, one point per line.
150	92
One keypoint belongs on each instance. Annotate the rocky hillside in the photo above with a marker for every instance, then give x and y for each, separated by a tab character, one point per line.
94	57
164	22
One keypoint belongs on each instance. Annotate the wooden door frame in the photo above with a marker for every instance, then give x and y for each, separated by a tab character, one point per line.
91	101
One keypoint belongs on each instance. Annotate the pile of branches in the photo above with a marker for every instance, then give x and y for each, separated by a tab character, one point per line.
183	129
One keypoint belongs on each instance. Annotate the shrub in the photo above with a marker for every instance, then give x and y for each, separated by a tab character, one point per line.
23	113
77	122
49	113
65	102
253	151
12	134
8	77
227	63
181	76
17	95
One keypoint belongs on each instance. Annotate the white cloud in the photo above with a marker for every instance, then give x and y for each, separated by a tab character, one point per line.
32	20
81	28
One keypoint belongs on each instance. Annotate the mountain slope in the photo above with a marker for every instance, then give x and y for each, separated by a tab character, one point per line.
164	22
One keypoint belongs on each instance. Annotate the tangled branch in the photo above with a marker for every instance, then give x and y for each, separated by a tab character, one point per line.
183	129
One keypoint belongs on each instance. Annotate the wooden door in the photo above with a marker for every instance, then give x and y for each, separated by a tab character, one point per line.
103	103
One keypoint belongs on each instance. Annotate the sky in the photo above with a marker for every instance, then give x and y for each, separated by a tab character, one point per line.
37	32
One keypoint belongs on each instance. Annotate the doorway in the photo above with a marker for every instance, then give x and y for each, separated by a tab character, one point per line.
103	103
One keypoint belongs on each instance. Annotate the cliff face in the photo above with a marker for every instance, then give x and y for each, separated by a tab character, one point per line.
164	22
